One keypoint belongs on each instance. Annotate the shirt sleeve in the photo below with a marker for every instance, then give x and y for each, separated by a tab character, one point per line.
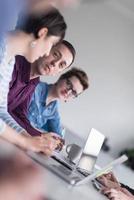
20	115
53	125
7	119
2	126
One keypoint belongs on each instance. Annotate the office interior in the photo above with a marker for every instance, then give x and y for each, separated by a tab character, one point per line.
102	32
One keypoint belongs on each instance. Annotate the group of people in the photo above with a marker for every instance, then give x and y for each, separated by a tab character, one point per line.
32	45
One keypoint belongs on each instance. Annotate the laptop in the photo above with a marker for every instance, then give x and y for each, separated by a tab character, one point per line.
73	177
89	154
68	171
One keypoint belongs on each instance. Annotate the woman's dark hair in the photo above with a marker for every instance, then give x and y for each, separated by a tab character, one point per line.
71	49
50	18
80	74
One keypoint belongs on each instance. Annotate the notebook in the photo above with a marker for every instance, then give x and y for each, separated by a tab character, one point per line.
68	171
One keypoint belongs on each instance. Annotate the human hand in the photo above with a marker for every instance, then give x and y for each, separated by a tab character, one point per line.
109	181
44	143
114	194
60	139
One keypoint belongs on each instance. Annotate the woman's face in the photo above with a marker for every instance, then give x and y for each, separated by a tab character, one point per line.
69	88
41	46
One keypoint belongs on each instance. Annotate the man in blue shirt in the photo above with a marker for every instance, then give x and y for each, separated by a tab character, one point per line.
42	114
48	115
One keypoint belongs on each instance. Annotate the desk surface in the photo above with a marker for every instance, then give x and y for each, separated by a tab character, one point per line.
57	189
54	187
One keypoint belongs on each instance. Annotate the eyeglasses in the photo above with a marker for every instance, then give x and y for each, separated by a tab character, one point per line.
70	88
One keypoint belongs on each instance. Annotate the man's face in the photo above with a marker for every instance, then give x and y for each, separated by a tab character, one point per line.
69	88
59	59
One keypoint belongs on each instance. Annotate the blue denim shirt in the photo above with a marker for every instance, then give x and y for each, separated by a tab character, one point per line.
42	116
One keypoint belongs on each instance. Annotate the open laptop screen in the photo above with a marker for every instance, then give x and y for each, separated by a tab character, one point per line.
91	150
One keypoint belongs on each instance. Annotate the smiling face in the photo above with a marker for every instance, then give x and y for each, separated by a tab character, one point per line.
59	59
69	88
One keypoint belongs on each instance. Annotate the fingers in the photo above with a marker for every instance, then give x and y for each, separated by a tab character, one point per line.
49	141
103	181
115	192
60	141
57	137
110	176
113	178
108	181
59	147
46	143
47	152
41	144
111	193
125	191
61	144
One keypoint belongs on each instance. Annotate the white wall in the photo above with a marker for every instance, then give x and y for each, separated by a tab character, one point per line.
103	34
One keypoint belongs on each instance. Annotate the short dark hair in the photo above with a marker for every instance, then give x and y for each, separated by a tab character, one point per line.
71	49
80	74
50	18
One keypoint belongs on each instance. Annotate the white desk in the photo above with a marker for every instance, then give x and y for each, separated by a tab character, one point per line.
54	187
57	189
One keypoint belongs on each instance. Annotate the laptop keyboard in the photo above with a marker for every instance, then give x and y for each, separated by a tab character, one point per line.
63	163
84	173
63	169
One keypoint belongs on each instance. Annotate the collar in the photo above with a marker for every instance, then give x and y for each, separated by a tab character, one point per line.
44	95
25	70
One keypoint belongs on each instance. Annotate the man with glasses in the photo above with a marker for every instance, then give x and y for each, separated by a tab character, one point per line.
69	87
42	114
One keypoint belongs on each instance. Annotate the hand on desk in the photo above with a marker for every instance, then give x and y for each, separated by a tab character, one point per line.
60	139
46	143
109	181
114	194
112	188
